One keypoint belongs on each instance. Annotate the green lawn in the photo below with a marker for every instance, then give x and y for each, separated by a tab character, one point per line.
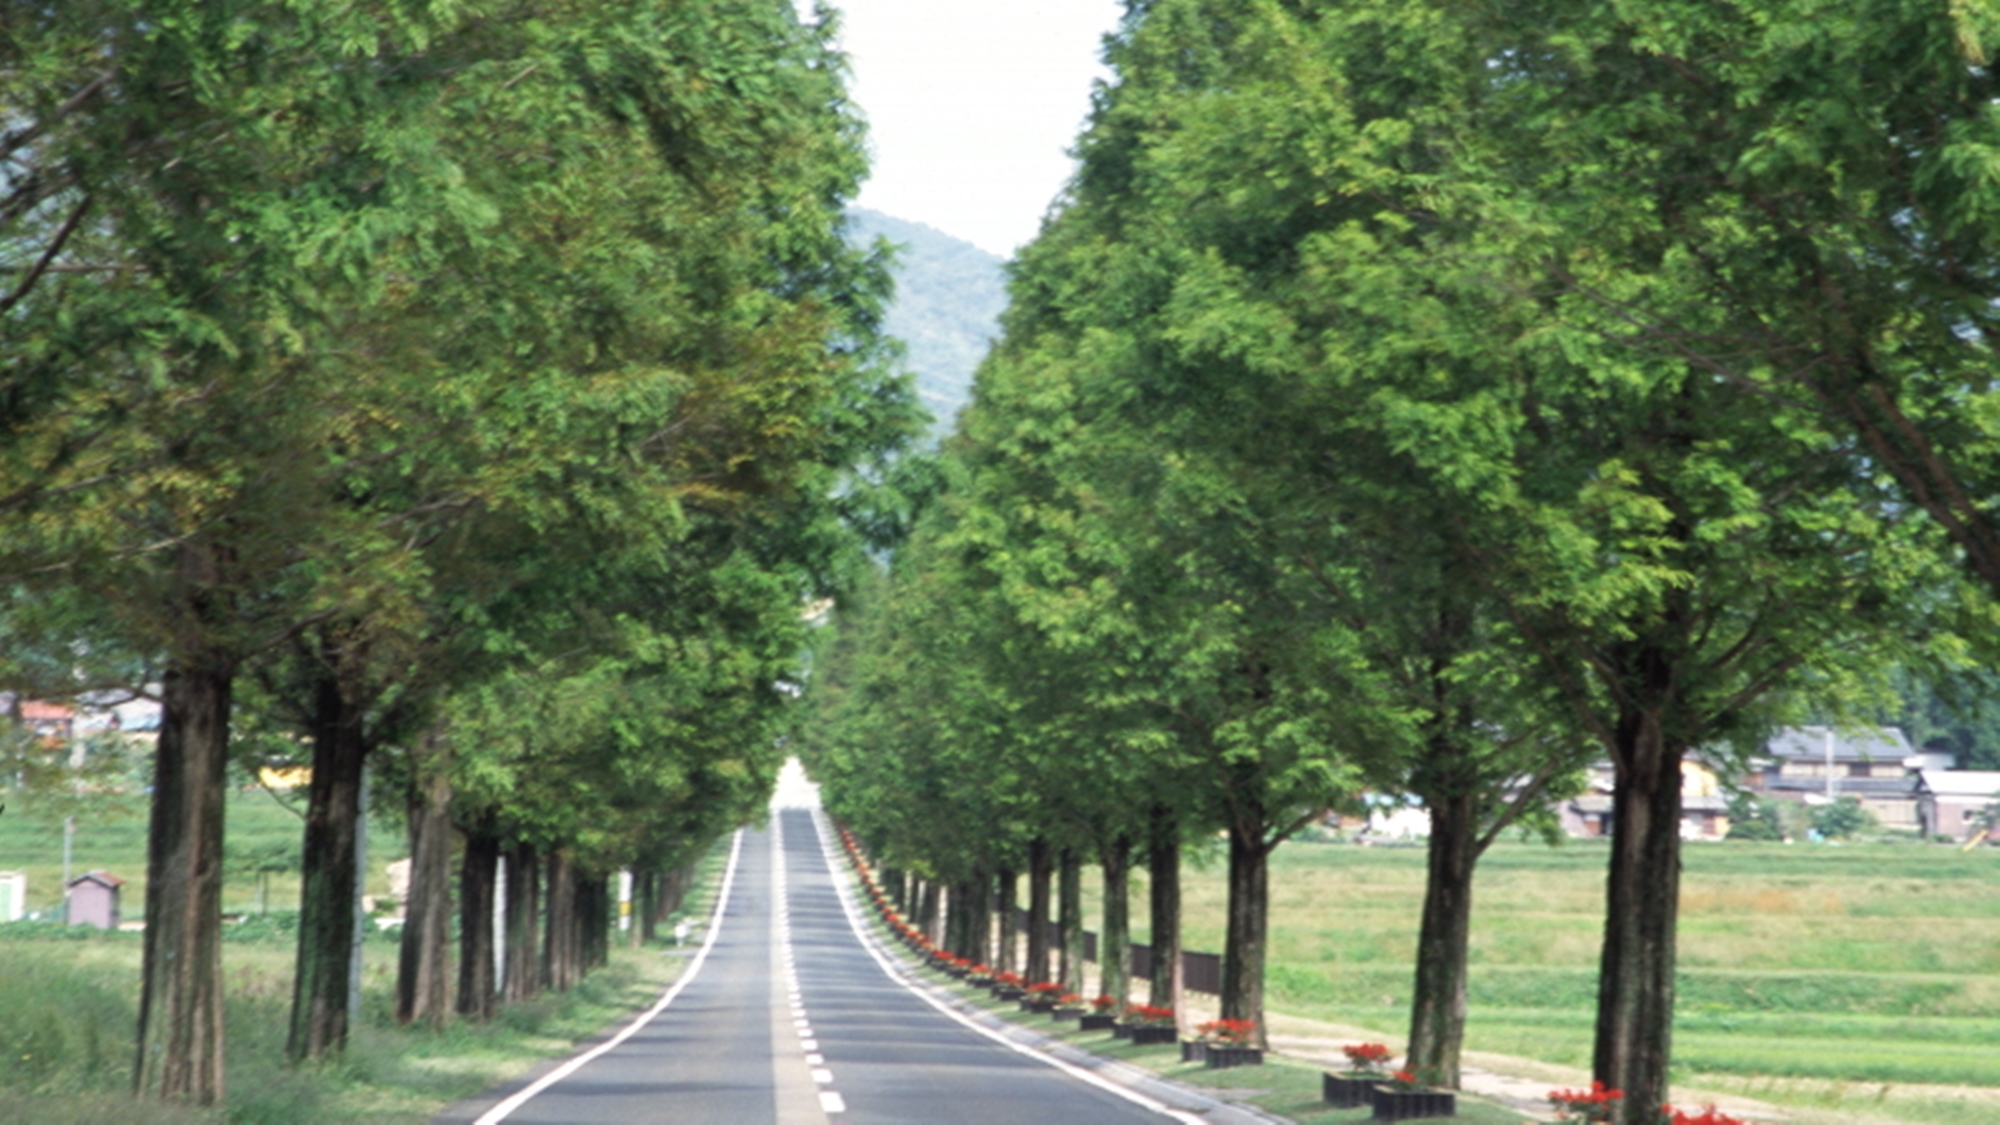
1872	963
113	837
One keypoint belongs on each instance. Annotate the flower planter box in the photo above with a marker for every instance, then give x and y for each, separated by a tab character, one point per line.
1340	1090
1121	1031
1008	992
1194	1050
1409	1105
1032	1005
1219	1057
1066	1013
1142	1035
1099	1023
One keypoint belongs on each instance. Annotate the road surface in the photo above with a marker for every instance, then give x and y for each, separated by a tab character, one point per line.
788	1015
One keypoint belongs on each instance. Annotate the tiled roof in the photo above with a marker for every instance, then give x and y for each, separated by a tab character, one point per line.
1905	786
1882	744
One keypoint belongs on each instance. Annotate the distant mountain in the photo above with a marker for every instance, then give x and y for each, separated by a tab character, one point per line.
949	294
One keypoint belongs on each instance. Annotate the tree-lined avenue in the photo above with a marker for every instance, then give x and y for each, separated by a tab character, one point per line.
789	1017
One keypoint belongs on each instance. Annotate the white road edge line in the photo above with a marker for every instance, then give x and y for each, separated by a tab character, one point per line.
855	923
500	1112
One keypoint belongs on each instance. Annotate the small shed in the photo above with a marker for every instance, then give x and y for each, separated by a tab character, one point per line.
93	900
13	895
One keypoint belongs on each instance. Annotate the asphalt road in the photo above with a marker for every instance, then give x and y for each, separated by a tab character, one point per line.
788	1016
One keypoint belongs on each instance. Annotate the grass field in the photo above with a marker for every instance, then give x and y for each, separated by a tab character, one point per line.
113	837
70	1003
1830	972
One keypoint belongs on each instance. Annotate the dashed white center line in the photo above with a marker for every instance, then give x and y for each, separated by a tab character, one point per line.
830	1101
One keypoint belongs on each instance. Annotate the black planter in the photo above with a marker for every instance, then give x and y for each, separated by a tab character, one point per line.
1143	1035
1038	1005
1066	1013
1392	1104
1194	1050
1099	1023
1006	992
1219	1057
1121	1031
1340	1090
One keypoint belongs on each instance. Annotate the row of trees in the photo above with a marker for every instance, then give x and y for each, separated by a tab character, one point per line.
472	389
1435	398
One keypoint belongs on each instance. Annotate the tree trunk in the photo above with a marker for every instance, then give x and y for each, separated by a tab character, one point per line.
180	998
523	977
1010	931
1038	912
646	890
478	875
929	910
1163	863
1114	944
1070	887
979	906
1243	951
1635	984
1437	1015
559	949
423	964
593	899
964	940
326	899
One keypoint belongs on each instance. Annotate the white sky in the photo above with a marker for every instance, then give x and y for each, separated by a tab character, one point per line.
972	106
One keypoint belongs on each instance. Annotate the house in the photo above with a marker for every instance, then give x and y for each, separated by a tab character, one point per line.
52	723
1704	806
1948	800
1817	765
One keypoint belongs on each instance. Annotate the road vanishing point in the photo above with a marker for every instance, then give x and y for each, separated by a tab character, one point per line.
791	1013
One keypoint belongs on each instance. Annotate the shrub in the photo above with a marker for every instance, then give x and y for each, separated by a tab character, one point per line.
1844	819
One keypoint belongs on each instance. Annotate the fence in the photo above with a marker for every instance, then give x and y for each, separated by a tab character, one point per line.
1200	972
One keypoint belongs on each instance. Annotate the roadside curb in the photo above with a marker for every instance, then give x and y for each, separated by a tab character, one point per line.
1175	1095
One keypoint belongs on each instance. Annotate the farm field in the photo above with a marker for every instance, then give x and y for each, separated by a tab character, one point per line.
1814	975
262	829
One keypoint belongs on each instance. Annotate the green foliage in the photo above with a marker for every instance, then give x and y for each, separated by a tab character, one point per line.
1841	819
1753	819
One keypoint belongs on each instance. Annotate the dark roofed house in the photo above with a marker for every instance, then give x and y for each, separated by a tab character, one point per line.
1815	765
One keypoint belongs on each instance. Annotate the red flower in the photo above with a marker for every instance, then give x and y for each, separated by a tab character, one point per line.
1595	1104
1235	1033
1367	1057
